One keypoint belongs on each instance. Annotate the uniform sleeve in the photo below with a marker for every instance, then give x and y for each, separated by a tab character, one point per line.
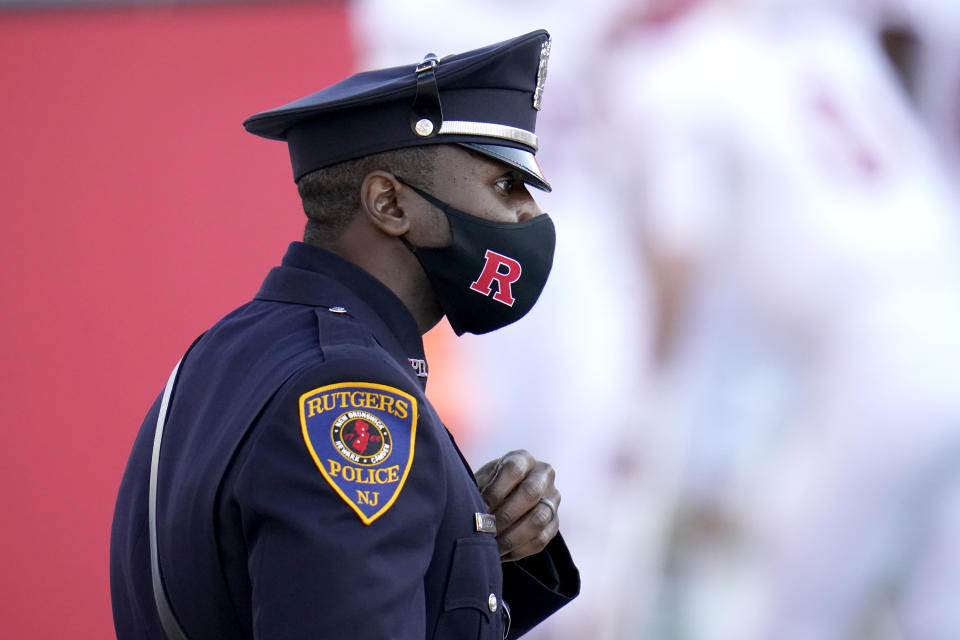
539	585
338	513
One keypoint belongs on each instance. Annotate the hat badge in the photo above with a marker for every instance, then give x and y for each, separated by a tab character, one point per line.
541	74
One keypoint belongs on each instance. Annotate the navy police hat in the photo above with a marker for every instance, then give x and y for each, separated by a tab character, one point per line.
486	100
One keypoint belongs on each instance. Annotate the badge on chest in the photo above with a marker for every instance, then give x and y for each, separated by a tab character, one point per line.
361	436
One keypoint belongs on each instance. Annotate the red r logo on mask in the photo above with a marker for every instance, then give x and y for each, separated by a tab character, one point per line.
493	269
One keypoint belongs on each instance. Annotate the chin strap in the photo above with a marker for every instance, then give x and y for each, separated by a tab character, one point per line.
167	618
426	114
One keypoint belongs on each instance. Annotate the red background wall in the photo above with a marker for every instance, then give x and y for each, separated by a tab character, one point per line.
135	212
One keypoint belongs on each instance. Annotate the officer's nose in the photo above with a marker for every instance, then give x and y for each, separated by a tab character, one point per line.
529	210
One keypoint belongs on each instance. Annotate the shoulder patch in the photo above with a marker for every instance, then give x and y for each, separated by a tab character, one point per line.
361	435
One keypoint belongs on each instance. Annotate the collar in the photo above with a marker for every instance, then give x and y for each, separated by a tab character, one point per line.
313	276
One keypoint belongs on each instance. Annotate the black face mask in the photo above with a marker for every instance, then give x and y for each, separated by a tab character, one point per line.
491	273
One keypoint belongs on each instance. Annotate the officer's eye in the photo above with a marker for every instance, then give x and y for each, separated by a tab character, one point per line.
505	184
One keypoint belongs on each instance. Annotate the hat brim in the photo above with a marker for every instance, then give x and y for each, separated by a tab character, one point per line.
520	159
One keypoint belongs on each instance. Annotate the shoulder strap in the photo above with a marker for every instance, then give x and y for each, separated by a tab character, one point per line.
167	618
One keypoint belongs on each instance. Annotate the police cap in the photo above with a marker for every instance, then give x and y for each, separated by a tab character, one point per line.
486	99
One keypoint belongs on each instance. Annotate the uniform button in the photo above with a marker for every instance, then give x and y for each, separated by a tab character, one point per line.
424	128
492	602
338	310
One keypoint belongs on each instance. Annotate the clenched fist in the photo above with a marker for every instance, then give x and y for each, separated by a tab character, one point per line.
513	486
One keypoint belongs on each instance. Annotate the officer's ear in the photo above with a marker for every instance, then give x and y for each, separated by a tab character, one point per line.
382	203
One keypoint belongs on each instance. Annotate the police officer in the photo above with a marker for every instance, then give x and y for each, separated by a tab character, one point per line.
292	480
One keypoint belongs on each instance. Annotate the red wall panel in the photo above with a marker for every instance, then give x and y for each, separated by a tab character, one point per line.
135	212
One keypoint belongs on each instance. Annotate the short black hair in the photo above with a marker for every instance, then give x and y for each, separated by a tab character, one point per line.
331	195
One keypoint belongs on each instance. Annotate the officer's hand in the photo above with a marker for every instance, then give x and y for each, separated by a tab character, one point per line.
512	487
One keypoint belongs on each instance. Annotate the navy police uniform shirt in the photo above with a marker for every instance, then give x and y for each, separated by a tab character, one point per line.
307	489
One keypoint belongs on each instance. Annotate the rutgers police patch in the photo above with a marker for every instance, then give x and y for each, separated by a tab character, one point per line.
361	436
